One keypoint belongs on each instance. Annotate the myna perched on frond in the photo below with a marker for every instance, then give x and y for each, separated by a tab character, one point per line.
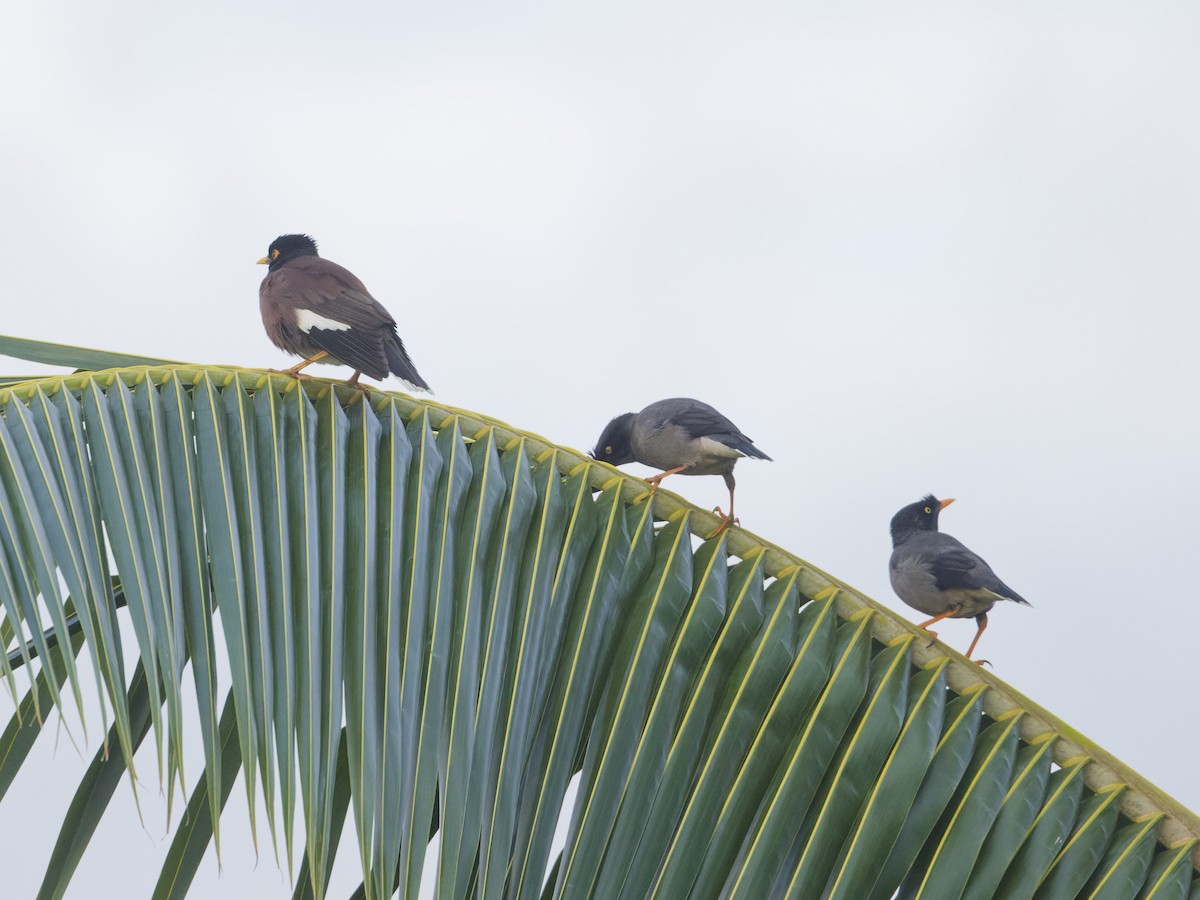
935	574
316	309
682	436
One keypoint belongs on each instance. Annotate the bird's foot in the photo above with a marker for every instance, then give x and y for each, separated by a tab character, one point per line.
983	662
726	521
924	626
293	372
353	382
654	480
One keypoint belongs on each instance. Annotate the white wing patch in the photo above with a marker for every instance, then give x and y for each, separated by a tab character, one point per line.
307	320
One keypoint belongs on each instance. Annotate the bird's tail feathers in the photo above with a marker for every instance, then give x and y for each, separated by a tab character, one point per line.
742	444
401	366
1010	594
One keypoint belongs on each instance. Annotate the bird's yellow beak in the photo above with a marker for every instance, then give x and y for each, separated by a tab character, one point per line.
946	503
263	262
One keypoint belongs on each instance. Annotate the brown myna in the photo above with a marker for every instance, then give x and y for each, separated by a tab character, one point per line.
935	574
316	309
681	436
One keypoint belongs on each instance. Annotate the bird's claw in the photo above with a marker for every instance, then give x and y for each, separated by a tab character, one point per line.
730	519
726	521
983	662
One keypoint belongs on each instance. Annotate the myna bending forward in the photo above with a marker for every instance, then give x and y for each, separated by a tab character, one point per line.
678	435
314	308
934	573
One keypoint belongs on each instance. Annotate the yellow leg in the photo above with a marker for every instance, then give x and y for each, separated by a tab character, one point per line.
726	520
294	371
352	381
982	620
655	480
924	626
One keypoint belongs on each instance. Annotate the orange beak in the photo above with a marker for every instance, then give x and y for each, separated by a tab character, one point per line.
946	503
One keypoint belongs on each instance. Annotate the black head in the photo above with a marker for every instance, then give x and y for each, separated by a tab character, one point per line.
919	516
615	446
287	247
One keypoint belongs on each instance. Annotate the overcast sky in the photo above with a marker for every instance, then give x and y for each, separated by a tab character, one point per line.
950	247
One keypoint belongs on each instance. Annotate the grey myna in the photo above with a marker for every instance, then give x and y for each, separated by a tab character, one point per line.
678	435
316	309
936	574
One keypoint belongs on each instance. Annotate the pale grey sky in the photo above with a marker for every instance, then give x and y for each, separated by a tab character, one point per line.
948	247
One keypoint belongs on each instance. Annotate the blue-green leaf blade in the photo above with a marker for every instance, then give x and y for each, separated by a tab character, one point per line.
196	831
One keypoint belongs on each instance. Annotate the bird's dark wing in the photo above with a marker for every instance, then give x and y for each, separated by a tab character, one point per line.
357	348
698	419
331	291
333	310
955	570
954	567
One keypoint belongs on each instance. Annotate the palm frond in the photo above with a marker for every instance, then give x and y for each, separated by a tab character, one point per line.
83	358
431	621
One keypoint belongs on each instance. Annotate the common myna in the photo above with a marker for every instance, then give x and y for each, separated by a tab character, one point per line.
936	574
314	308
678	435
